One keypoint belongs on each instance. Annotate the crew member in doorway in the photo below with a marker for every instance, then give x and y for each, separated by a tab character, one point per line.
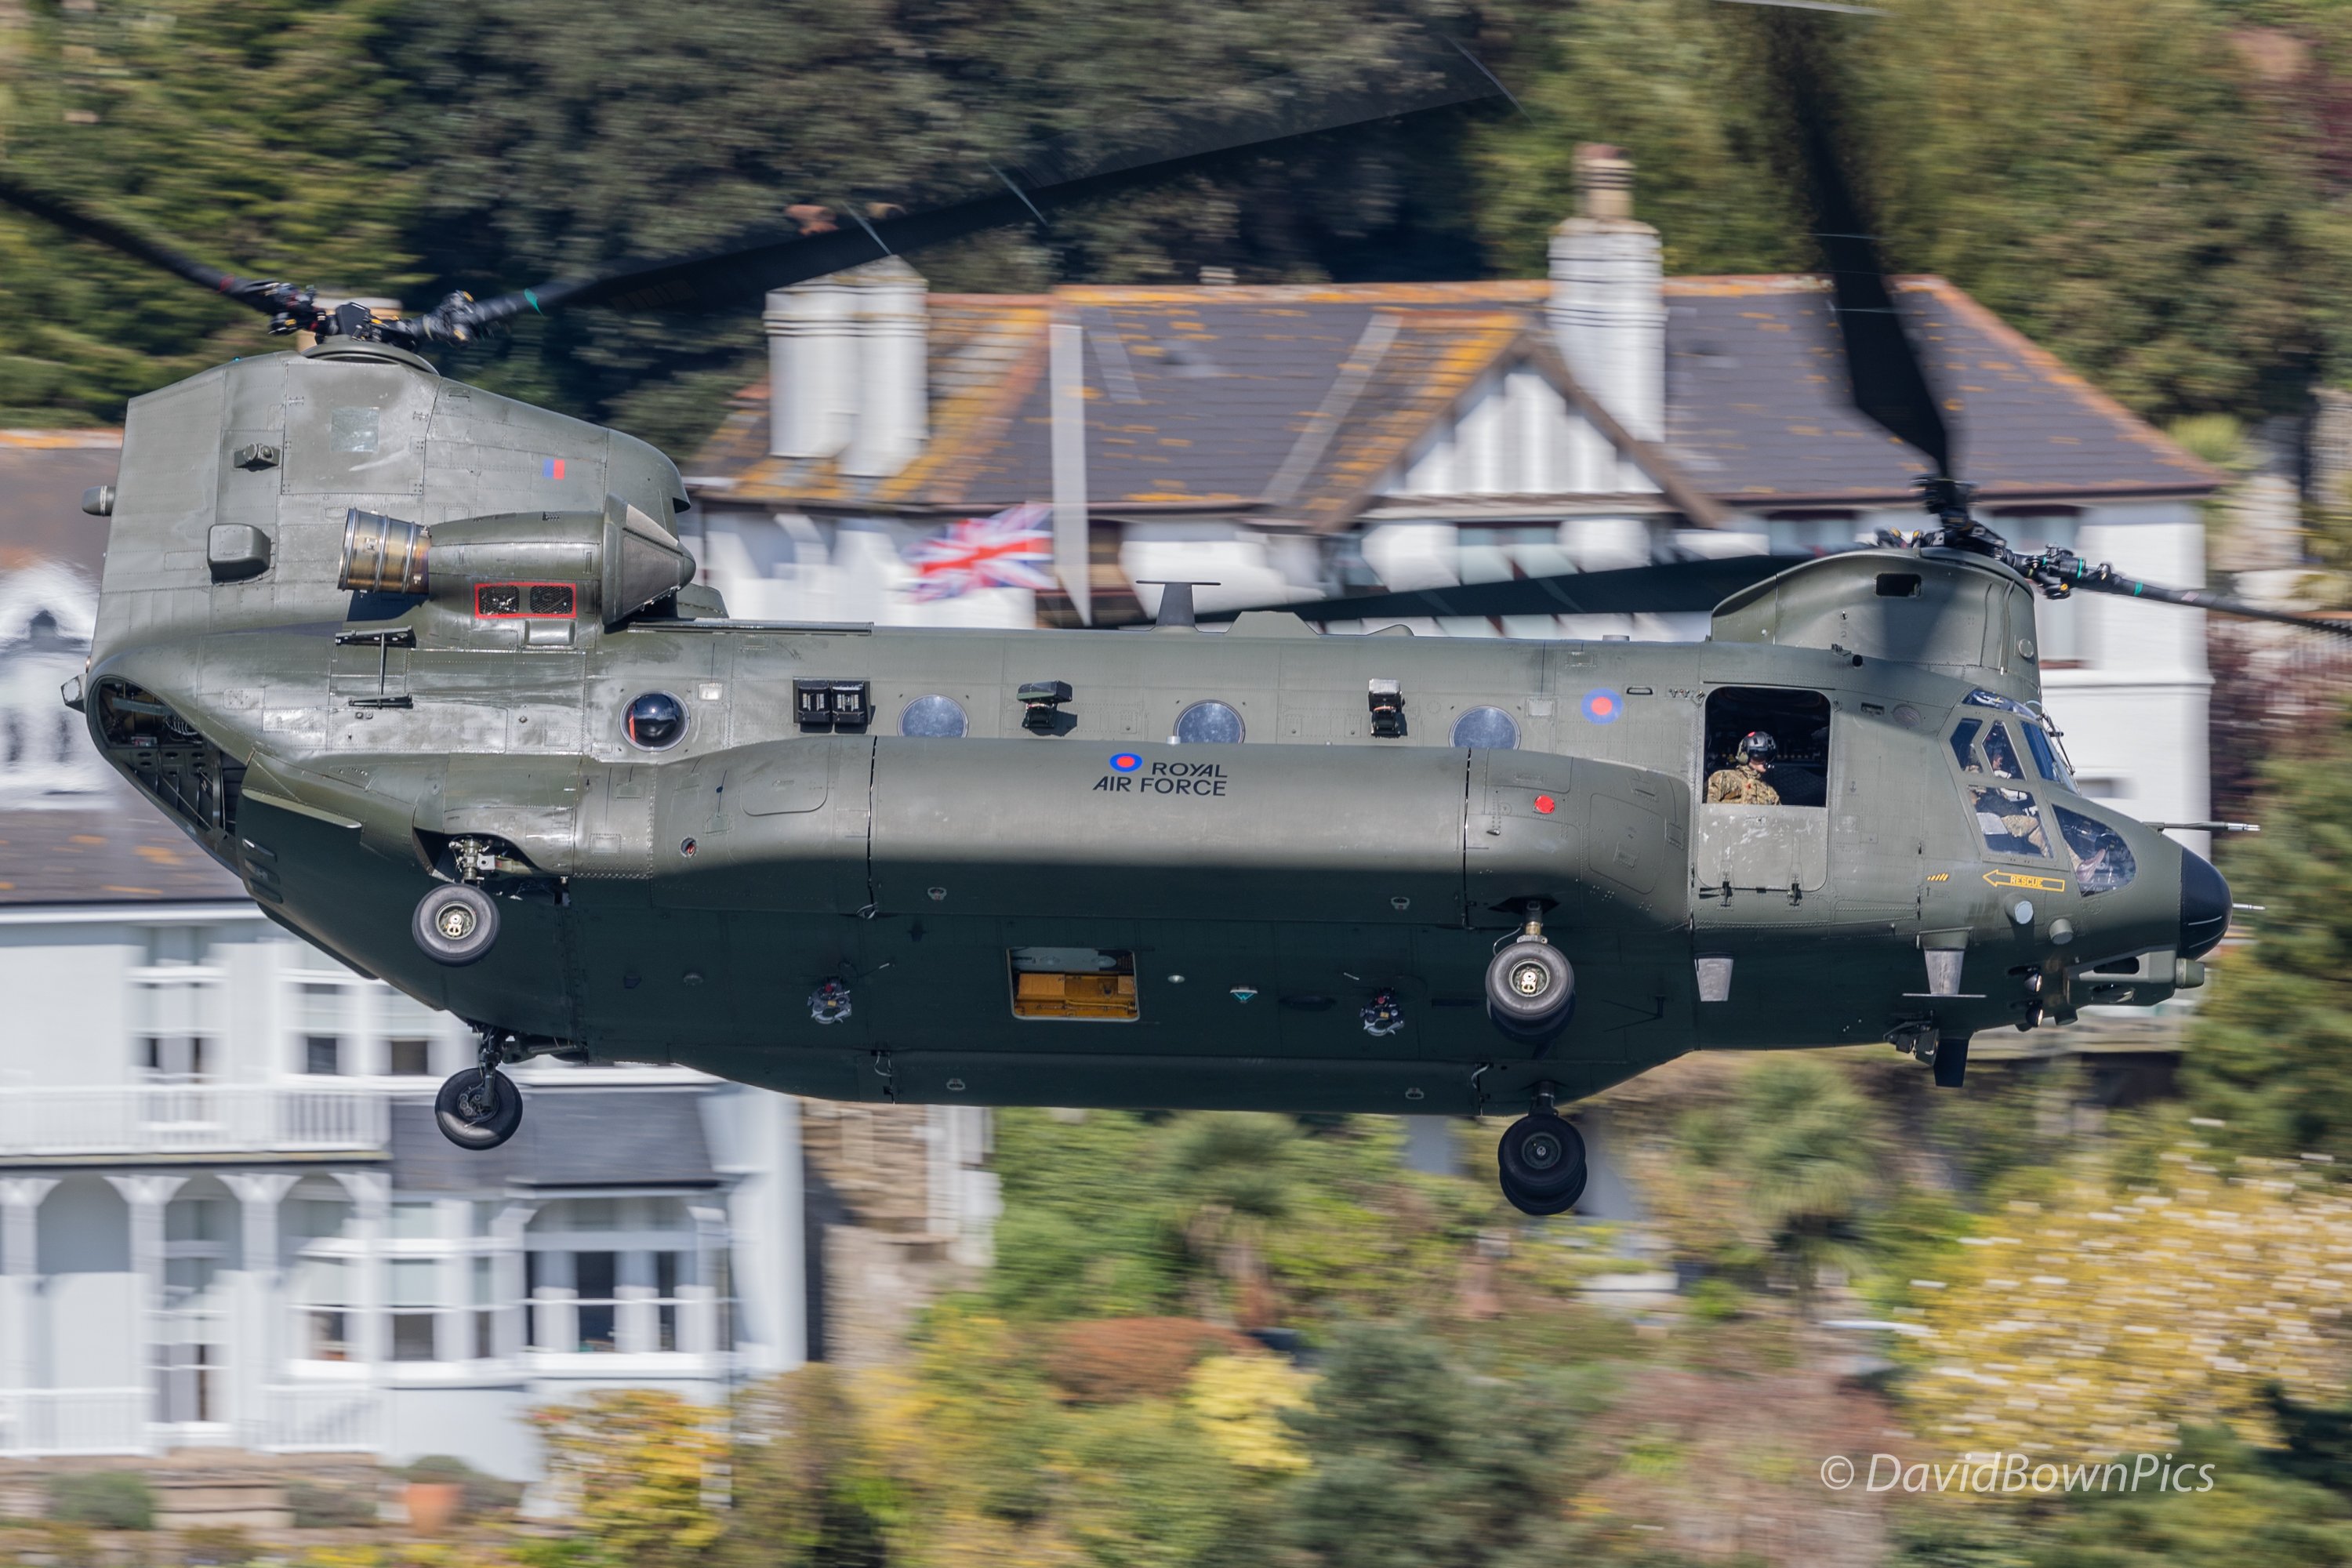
1743	783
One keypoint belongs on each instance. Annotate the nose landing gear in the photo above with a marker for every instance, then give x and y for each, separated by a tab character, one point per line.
1541	1161
479	1108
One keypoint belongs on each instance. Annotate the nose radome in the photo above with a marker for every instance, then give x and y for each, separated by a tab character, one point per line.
2204	906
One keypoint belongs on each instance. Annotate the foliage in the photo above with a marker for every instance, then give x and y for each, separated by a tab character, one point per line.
105	1499
1241	1400
640	1465
810	1487
1412	1464
1242	1217
255	134
2271	1051
2218	439
2097	1322
317	1507
1783	1174
1110	1358
216	1546
2146	201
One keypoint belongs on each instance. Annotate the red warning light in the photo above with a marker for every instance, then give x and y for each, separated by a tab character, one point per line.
1544	803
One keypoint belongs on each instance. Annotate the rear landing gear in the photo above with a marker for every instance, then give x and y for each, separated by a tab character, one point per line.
479	1108
1951	1063
1540	1163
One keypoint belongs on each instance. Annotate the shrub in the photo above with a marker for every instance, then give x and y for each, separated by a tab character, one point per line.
103	1499
315	1507
217	1546
1112	1359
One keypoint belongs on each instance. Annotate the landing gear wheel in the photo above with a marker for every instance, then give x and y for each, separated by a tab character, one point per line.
1530	990
1540	1163
455	923
479	1108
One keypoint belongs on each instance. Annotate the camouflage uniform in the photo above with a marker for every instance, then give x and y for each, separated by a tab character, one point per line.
1737	786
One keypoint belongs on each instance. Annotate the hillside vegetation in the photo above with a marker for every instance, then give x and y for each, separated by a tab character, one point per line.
2153	188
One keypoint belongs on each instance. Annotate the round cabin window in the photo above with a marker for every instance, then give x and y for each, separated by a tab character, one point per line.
1208	724
1486	730
656	721
940	717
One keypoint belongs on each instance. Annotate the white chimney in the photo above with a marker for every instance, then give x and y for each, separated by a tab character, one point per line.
893	383
1608	314
849	368
812	368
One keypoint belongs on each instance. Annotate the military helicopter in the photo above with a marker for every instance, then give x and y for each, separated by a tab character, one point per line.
425	668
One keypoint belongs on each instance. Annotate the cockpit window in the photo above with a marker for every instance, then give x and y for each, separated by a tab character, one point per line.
2103	861
2045	756
2010	822
1964	746
1981	698
2001	754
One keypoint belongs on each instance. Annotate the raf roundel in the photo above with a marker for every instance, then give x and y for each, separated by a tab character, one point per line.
1604	706
1126	763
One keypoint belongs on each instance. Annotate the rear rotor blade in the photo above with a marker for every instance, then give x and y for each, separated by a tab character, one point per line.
85	224
1675	586
1064	171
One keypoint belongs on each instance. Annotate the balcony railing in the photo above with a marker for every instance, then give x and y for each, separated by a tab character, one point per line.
150	1120
38	1423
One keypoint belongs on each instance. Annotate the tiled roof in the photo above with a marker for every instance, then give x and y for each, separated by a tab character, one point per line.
1208	398
1757	410
641	1136
118	850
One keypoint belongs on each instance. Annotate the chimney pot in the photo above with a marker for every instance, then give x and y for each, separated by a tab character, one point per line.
1604	182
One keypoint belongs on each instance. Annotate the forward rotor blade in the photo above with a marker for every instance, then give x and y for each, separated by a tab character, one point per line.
1889	384
1064	171
2104	580
85	224
1675	586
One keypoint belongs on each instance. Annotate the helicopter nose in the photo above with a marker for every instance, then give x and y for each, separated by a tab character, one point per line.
2204	906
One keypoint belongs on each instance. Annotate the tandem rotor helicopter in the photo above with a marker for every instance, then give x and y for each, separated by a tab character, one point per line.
424	668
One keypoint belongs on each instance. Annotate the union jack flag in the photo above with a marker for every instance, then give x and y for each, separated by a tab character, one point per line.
1009	549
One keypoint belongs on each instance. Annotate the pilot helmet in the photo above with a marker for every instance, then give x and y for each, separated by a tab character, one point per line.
1757	745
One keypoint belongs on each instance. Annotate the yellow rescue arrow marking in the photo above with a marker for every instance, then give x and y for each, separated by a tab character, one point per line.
2021	880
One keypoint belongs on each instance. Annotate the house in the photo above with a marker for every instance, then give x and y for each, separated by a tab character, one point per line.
227	1218
1289	442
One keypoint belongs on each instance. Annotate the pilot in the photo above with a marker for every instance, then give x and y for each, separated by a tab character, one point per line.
1743	783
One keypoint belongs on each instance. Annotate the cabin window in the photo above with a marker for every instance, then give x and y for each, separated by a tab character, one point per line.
656	721
2010	822
1208	724
2103	861
941	718
1767	746
1486	730
1964	745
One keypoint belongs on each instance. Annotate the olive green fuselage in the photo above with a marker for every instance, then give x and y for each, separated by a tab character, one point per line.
683	904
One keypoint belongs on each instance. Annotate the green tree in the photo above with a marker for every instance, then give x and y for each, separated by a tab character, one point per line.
1412	1463
2271	1051
261	136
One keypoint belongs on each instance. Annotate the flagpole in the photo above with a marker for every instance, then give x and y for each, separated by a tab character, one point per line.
1072	558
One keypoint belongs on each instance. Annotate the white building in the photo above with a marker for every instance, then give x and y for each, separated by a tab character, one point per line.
1288	442
226	1215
